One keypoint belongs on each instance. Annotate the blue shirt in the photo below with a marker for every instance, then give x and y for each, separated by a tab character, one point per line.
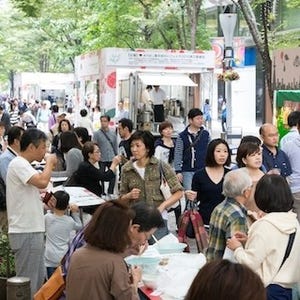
279	160
6	157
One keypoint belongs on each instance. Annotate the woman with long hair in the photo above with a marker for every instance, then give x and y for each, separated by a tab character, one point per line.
207	183
71	149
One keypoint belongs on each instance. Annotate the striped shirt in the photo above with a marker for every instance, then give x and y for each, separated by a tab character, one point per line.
227	218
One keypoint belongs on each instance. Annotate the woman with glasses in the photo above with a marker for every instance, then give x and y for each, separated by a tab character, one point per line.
88	174
98	270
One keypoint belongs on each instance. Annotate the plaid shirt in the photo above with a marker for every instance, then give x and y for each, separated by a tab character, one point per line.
227	218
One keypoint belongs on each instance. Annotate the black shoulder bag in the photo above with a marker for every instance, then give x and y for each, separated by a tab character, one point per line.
274	290
197	139
105	134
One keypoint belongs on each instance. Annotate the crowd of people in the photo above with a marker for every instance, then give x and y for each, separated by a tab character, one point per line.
250	205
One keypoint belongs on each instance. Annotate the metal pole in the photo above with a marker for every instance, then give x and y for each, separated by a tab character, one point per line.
228	22
228	94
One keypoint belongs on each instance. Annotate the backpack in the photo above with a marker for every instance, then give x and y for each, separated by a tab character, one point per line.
2	195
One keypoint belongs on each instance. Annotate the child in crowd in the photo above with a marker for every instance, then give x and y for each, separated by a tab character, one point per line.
58	229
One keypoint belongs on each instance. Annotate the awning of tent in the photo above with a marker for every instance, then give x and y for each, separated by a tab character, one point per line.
166	79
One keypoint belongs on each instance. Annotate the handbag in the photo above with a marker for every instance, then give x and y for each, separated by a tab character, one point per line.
53	288
191	225
164	186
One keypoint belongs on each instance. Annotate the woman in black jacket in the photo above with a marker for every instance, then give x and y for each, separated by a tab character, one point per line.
89	175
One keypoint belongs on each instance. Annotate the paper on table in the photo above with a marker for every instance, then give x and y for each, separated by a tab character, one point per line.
181	271
170	238
82	196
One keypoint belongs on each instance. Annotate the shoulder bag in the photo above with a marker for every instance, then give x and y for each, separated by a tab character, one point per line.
53	288
107	137
164	186
276	291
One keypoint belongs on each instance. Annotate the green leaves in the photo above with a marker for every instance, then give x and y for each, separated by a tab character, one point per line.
31	8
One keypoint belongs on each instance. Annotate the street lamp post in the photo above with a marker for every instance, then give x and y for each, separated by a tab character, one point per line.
228	22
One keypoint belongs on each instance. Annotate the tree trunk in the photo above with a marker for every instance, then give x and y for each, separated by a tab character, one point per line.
261	41
12	83
193	11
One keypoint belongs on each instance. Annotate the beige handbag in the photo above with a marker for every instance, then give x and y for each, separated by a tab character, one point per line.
164	186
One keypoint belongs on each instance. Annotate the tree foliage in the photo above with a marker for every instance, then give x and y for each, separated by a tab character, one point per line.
31	8
46	35
60	30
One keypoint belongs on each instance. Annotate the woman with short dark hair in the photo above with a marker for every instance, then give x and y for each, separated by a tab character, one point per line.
249	156
141	177
269	238
98	270
224	280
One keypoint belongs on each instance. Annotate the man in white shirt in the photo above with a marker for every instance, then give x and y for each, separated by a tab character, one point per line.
26	226
158	96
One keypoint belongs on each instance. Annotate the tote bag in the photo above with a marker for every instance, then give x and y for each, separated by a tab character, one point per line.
53	288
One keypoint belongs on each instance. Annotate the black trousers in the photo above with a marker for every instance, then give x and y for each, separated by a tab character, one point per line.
159	113
104	165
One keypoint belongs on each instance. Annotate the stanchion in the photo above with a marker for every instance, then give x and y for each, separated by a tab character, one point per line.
18	288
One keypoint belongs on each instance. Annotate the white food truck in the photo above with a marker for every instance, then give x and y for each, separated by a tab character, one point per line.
106	76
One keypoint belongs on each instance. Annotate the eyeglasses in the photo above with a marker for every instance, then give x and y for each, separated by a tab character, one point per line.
146	234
